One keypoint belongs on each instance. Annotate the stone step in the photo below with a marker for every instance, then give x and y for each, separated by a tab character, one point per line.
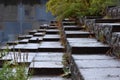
24	41
35	39
30	47
41	30
69	23
53	37
48	56
73	28
50	77
32	32
12	43
107	20
43	26
52	31
38	34
51	47
46	68
95	67
52	27
25	37
86	46
78	34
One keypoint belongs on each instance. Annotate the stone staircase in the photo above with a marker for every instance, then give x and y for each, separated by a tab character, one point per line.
89	59
41	50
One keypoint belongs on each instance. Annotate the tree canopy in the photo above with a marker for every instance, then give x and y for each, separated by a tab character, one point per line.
74	8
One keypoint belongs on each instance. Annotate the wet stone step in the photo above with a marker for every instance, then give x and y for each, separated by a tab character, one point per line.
38	34
50	77
30	47
96	67
46	68
25	37
24	41
53	37
52	31
78	34
20	57
35	39
83	46
72	28
51	47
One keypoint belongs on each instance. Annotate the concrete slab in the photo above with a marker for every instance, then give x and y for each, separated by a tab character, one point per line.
41	30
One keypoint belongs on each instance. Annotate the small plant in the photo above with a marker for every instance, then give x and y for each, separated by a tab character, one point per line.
4	52
66	69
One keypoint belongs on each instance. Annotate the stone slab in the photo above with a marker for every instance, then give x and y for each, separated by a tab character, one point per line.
85	64
46	68
54	37
78	34
52	31
101	74
81	40
50	77
92	57
35	39
72	28
41	30
51	47
12	42
39	34
24	41
49	57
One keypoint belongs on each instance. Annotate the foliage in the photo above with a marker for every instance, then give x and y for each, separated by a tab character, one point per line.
74	8
16	72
